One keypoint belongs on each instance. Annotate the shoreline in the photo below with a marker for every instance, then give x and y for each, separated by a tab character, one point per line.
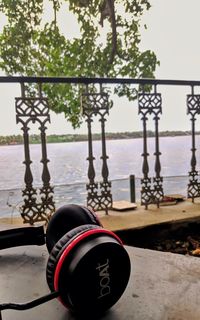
14	140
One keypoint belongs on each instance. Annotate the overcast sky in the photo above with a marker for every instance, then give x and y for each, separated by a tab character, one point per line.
173	33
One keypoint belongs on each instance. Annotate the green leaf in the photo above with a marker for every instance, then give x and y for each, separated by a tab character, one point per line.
31	46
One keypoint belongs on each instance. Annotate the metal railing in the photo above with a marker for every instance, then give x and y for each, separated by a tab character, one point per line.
39	204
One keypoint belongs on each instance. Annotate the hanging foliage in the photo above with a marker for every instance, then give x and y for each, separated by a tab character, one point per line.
108	45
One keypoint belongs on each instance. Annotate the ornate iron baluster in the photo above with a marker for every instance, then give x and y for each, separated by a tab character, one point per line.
158	189
150	103
46	192
94	104
193	108
146	181
35	109
105	185
29	193
92	186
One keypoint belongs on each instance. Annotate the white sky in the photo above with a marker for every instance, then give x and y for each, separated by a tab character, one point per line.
173	33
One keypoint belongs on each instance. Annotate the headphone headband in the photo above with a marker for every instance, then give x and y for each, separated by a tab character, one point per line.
24	236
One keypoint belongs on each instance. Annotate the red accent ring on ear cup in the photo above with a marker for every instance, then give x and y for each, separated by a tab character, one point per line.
66	218
72	245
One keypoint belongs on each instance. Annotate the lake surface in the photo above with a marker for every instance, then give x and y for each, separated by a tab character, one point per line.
68	168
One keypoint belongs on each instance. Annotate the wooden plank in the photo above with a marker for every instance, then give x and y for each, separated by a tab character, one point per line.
123	205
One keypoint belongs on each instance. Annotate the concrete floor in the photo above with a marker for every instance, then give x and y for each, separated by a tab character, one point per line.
162	286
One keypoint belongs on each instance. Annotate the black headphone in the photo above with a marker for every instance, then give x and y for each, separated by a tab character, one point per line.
88	267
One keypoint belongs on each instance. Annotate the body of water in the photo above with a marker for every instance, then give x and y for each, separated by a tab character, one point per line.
68	168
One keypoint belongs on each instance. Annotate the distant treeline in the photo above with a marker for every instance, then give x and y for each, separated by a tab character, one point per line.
54	138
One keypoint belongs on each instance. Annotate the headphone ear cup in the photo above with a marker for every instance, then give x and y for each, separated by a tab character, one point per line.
58	249
65	219
90	269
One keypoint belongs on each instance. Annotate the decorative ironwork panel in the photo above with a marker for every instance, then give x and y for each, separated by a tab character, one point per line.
193	108
99	196
151	189
38	204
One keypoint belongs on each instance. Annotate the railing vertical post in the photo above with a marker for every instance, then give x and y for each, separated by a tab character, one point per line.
31	110
146	181
91	158
158	189
92	186
150	103
105	185
193	108
94	104
132	188
46	191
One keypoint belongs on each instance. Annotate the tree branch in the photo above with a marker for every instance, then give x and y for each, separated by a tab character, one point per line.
107	10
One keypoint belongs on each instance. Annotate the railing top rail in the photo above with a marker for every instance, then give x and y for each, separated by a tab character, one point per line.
86	80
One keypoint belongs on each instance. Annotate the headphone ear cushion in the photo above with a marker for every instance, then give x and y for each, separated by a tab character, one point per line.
65	219
58	249
92	215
